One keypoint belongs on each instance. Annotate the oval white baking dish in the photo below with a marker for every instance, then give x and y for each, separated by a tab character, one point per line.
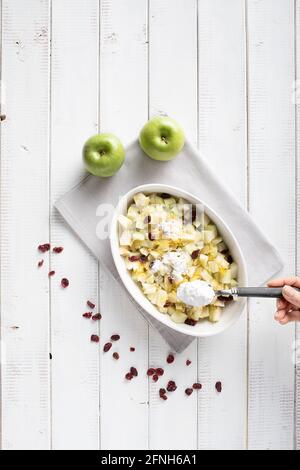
204	328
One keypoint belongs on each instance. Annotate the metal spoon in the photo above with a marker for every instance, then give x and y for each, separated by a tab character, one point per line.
265	292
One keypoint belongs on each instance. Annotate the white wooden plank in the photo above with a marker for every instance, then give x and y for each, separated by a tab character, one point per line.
123	111
74	118
173	90
296	102
25	224
272	203
222	141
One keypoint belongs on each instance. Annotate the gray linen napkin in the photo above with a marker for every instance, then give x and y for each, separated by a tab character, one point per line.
188	171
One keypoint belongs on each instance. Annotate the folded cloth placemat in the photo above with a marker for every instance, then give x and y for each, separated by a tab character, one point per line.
188	171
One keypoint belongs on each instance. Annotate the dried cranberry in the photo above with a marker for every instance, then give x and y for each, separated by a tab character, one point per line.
147	219
64	283
116	355
97	317
132	349
164	397
115	337
128	376
150	372
58	249
40	263
168	304
133	371
170	279
159	371
87	315
134	258
165	196
229	259
2	117
162	391
95	338
155	378
151	236
90	304
44	248
170	359
188	391
188	362
197	386
107	347
219	387
143	258
151	264
171	387
195	254
194	213
190	322
225	298
51	273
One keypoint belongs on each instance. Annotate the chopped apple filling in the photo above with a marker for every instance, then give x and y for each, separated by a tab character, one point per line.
166	241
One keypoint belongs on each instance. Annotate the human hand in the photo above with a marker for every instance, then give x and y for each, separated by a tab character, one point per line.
288	308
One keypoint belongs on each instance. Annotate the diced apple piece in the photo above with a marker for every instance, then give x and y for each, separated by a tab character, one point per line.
138	236
225	276
206	276
141	200
219	303
148	288
212	267
126	238
220	259
206	219
204	313
214	314
133	211
178	317
233	283
203	260
124	221
162	297
217	240
222	247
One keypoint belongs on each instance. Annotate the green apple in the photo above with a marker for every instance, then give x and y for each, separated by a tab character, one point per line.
162	138
103	155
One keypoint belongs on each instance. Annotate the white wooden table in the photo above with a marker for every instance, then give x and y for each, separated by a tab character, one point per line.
70	68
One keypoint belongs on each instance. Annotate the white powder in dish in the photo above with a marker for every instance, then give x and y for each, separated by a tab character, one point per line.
174	263
196	293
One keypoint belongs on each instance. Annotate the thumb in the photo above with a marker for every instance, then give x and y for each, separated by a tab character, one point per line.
291	295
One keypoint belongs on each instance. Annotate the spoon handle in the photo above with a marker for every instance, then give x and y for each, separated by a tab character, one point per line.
266	292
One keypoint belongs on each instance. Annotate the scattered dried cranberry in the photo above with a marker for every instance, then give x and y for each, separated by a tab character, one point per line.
151	236
90	304
155	378
97	317
95	338
128	376
170	359
194	213
165	196
64	283
116	355
229	259
170	279
107	347
159	371
188	362
87	315
58	249
171	387
134	258
164	397
197	386
147	219
195	254
162	392
115	337
190	322
40	263
188	391
150	372
219	387
143	258
168	304
44	248
51	273
133	371
2	117
132	349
